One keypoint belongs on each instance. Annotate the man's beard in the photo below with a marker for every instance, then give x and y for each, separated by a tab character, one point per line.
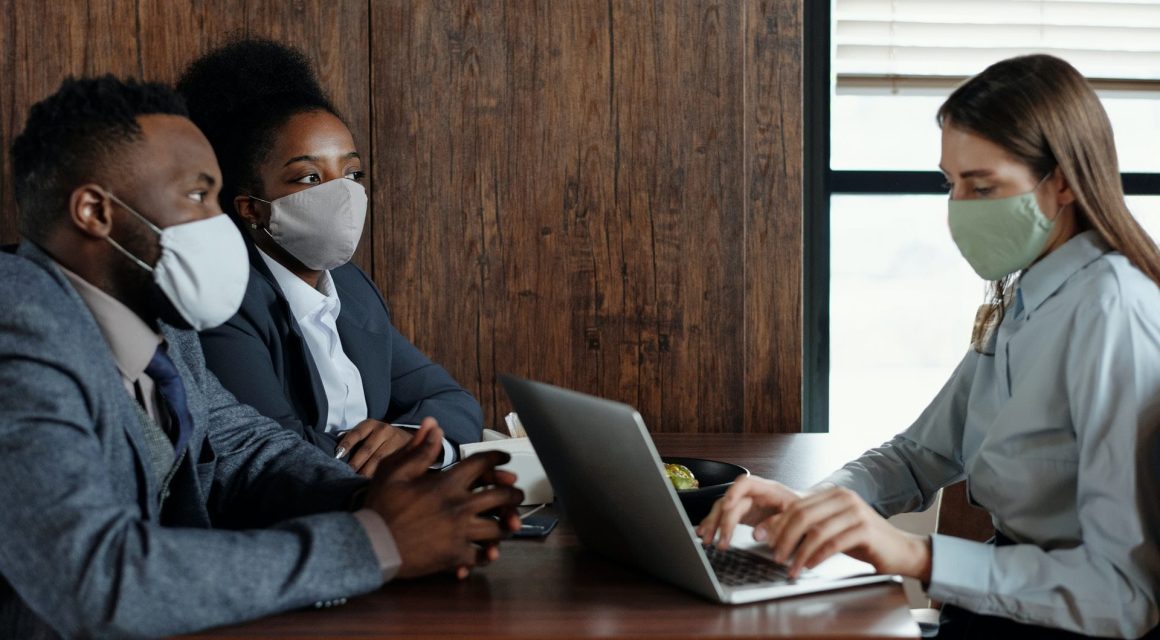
148	300
163	308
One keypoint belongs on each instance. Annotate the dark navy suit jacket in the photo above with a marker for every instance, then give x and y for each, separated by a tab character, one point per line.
261	357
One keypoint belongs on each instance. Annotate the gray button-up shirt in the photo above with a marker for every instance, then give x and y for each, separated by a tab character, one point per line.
1054	434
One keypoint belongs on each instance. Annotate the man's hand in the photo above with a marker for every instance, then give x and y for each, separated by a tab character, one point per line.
375	441
444	521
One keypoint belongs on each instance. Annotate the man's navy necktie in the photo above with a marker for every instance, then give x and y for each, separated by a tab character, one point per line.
168	382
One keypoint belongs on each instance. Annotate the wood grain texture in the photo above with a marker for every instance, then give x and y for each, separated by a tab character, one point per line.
605	195
172	34
568	200
553	588
44	43
10	120
773	222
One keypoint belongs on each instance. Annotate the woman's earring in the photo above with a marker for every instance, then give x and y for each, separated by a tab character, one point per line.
254	226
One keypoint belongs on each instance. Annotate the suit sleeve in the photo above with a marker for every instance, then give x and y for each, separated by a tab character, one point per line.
421	388
262	472
77	548
239	357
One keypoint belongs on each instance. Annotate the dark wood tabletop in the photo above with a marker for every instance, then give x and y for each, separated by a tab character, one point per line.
553	588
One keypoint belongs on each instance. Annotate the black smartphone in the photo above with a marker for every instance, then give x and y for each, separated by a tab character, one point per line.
535	526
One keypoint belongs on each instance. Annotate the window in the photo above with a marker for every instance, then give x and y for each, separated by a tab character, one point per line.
889	300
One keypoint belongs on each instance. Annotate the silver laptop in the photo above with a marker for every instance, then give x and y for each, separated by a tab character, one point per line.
606	472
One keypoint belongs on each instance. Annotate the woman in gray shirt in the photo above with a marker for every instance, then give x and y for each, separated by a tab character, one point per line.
1051	415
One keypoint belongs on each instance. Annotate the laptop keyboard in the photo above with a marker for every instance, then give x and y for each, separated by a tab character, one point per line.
735	568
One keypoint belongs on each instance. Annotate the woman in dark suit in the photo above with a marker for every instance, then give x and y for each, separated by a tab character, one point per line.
313	345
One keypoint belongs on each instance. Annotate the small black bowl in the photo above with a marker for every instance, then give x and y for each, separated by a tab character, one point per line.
715	478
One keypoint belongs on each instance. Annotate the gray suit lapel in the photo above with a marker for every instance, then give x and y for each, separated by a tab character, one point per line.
110	377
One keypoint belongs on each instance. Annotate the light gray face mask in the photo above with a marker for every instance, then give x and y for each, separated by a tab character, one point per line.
319	226
999	236
203	268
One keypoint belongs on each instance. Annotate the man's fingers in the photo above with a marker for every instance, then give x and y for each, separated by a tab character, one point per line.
410	462
428	432
495	476
468	558
484	529
494	498
504	477
484	555
491	552
472	469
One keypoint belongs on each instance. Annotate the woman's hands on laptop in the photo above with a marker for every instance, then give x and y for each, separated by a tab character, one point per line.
804	529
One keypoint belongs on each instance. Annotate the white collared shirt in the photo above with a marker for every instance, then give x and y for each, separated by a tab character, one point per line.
316	311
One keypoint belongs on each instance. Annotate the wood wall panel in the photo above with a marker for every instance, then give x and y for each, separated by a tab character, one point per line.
601	194
773	205
46	42
9	119
171	34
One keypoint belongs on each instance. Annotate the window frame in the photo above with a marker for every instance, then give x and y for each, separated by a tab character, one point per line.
820	183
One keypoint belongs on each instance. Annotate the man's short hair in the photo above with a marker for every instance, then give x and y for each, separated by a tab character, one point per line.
73	136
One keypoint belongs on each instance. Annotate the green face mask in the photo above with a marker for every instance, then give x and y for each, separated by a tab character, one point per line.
999	237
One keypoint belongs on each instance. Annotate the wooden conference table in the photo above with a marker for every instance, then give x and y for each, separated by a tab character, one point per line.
553	588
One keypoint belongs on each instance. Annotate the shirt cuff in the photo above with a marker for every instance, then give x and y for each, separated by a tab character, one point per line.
448	455
960	569
382	542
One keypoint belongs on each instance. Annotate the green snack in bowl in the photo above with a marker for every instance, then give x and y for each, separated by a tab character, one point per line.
681	477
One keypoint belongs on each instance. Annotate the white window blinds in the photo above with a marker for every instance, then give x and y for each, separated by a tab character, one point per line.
889	40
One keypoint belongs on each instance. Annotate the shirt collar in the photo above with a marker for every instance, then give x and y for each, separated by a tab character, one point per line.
1045	277
131	340
303	299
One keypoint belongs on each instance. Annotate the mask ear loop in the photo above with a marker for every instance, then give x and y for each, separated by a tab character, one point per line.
1041	181
116	245
254	225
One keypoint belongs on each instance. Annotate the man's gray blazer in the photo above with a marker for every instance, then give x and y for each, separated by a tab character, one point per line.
256	520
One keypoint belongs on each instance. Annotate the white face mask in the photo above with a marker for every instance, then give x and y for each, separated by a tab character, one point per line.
320	226
203	269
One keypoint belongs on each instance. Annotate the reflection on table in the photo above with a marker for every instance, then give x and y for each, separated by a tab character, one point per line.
555	588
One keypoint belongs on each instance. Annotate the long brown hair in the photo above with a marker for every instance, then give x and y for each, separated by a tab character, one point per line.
1045	114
